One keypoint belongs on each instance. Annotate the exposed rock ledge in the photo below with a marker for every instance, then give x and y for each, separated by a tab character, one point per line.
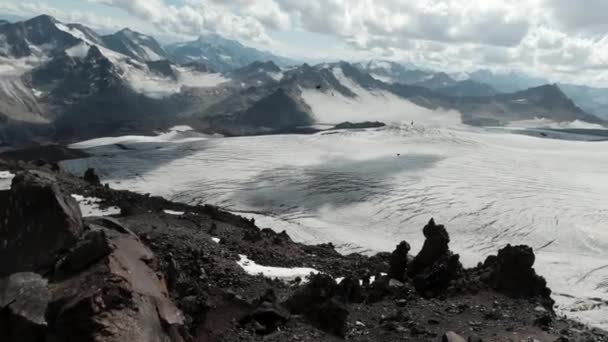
163	271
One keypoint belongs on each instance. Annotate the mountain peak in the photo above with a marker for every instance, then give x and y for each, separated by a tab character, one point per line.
546	91
43	18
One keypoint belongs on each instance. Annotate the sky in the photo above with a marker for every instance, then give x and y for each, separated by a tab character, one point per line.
562	40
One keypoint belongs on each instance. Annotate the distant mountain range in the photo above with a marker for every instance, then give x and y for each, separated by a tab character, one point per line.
65	82
220	54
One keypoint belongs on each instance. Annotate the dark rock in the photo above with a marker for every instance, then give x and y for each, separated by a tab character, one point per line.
317	302
435	279
379	289
91	177
451	336
435	246
512	273
270	317
398	262
39	222
543	321
349	290
435	267
119	299
23	301
94	246
474	339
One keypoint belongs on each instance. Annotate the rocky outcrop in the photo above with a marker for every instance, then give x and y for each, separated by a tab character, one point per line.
91	176
435	266
23	301
317	302
512	273
96	284
398	261
39	222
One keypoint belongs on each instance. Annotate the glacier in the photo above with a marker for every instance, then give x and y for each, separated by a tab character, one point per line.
366	190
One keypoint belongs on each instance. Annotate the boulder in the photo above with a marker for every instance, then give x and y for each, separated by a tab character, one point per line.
318	303
451	336
512	273
23	302
39	222
435	246
90	176
269	316
111	294
398	261
435	267
349	290
94	246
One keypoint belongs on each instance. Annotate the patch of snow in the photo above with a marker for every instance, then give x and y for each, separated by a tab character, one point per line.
277	76
6	178
37	92
225	57
378	64
75	33
89	206
552	124
181	128
172	212
216	240
178	136
281	273
381	78
150	55
157	86
79	50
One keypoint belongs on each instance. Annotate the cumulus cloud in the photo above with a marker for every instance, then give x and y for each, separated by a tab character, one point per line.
195	17
28	9
548	37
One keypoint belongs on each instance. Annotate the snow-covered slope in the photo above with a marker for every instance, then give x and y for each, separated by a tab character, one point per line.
135	45
330	106
220	54
366	190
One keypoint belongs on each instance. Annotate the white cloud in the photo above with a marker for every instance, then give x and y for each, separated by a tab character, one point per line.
559	39
196	17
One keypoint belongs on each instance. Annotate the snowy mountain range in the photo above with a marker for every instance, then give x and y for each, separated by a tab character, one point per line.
220	54
64	82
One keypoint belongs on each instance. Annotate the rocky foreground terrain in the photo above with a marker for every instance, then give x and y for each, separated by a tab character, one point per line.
163	271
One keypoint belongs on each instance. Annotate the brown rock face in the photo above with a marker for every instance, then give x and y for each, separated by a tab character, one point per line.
23	302
38	221
100	286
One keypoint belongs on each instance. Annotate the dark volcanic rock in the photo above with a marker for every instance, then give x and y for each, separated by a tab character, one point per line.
317	302
451	336
398	262
108	292
435	246
39	221
350	290
91	176
94	246
23	301
513	274
434	268
359	125
268	315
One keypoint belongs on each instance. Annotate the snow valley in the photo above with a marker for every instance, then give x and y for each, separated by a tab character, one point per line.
364	190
